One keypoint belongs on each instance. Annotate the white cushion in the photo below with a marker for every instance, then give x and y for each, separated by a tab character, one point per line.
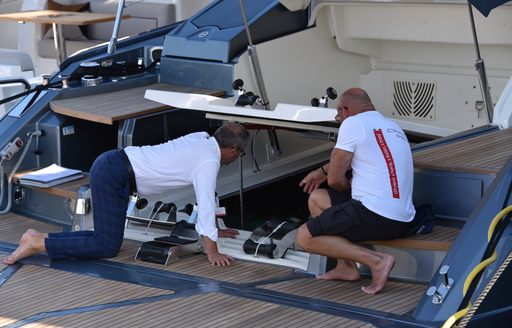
71	32
46	47
144	16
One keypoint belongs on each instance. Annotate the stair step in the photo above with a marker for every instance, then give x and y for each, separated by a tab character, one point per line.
66	190
440	239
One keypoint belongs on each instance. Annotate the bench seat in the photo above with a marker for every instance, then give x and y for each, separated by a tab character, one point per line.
440	239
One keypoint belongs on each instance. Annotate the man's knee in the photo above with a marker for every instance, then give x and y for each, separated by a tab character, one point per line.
106	250
318	202
109	252
304	237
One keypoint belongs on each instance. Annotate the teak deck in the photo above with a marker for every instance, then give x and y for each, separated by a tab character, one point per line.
124	293
483	154
111	107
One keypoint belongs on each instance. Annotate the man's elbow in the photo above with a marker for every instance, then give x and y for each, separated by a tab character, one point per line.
339	185
334	184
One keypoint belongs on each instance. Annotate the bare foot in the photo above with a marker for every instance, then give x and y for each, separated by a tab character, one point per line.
380	274
340	274
30	244
36	233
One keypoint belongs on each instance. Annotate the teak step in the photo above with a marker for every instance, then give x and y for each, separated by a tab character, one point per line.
440	239
483	154
66	190
111	107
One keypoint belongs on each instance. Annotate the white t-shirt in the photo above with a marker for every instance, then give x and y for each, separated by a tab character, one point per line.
191	159
382	176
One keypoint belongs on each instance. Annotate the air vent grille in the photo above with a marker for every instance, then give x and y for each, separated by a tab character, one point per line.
414	99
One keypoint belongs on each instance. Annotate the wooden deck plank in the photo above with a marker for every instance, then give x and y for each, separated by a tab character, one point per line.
482	154
396	298
350	293
190	312
197	265
34	289
111	107
12	226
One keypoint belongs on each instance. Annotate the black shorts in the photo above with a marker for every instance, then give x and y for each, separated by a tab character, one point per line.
348	218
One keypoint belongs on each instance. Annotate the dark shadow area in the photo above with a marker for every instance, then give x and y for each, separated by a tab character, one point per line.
283	198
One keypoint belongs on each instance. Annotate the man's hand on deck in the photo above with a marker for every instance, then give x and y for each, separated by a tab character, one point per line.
214	257
228	233
218	259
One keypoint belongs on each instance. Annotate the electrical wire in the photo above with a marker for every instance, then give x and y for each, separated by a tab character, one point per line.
23	153
152	217
13	171
256	166
267	237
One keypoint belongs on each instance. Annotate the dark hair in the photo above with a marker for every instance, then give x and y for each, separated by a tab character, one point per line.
231	135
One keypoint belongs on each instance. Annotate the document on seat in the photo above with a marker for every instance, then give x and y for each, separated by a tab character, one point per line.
50	176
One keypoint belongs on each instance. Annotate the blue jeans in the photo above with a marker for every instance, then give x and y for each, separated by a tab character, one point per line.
110	191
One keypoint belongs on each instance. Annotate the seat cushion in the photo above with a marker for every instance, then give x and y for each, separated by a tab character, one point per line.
46	47
143	16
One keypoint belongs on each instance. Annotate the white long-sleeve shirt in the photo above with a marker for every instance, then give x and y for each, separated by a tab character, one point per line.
193	159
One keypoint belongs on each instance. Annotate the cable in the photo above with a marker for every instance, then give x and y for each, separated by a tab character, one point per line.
24	93
32	100
152	217
257	167
485	291
22	156
267	237
479	267
13	171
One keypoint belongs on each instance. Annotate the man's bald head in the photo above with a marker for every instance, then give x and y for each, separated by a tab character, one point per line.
352	102
357	97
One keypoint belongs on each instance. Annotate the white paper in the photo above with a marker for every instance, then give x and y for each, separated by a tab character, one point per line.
50	173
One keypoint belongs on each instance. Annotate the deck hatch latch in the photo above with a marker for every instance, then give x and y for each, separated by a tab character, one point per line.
83	206
439	293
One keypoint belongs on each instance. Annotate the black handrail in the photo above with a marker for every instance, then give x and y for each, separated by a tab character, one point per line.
16	80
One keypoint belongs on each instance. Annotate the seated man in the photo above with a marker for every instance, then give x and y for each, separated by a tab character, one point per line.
193	159
375	205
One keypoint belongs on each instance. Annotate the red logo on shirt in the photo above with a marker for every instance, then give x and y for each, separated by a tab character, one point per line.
381	141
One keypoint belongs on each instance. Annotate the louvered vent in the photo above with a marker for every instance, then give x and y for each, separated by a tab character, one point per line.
414	99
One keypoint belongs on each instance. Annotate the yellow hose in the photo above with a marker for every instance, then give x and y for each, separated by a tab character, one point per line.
456	316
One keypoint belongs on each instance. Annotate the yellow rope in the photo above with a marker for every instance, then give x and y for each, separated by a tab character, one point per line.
459	314
464	321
